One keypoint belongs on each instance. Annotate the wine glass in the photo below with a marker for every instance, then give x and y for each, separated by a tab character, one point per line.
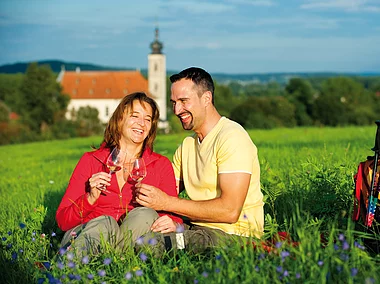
138	170
115	160
114	163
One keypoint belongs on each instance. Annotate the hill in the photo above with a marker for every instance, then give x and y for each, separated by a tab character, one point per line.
221	78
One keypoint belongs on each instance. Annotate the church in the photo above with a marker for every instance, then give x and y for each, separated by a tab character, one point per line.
103	90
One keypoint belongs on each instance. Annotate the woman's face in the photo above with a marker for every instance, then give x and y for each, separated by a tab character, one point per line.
137	123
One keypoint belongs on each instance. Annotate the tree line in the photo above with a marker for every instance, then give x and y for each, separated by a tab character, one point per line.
33	107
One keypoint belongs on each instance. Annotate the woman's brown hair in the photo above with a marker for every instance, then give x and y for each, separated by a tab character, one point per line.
112	133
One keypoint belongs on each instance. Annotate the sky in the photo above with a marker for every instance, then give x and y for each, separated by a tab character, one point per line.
225	36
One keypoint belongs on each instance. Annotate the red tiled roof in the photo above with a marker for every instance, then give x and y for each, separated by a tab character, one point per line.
103	84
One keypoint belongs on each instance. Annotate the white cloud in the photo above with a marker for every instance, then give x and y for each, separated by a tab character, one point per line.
344	5
265	3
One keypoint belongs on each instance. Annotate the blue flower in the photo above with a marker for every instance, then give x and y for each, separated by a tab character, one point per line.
102	273
62	251
346	246
85	260
33	239
22	225
107	261
71	276
261	256
217	270
128	275
152	241
14	255
140	241
180	228
53	234
9	246
46	264
90	276
257	269
71	264
284	254
354	271
60	265
279	269
205	274
298	275
139	272
341	237
143	257
4	239
9	233
320	263
70	256
278	244
339	268
286	273
218	257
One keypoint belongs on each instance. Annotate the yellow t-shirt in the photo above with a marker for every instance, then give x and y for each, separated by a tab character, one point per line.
227	148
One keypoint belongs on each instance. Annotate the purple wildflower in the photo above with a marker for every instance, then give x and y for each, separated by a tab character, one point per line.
341	237
278	244
205	274
336	247
286	273
140	241
257	269
345	245
128	275
284	254
33	239
90	276
71	264
298	275
62	251
14	256
143	257
70	256
139	272
85	260
180	228
22	225
217	270
261	256
102	273
279	269
354	271
107	261
10	233
53	234
320	263
60	265
152	241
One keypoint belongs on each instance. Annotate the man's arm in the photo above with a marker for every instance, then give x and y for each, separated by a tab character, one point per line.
223	209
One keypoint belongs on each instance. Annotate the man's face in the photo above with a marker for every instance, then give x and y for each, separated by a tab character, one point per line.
187	105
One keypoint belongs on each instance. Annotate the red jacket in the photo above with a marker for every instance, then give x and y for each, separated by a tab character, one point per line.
74	208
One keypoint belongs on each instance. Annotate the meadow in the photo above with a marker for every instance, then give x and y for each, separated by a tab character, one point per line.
307	179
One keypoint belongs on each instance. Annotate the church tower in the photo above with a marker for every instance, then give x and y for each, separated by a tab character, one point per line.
157	78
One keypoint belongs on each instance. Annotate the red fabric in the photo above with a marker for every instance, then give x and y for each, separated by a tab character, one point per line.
74	208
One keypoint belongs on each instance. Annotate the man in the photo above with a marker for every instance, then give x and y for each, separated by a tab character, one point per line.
218	167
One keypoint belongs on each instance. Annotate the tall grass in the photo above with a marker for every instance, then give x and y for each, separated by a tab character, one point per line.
307	179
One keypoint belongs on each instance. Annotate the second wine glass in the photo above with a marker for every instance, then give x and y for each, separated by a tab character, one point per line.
138	170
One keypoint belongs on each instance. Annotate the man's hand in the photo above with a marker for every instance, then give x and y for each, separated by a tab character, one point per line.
151	196
164	224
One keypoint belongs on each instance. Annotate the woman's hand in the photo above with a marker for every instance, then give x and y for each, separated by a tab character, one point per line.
98	182
164	224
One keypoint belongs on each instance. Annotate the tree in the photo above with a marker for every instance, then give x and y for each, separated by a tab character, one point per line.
87	120
42	101
300	93
340	101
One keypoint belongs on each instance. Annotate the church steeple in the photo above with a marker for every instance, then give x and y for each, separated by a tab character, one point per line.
156	45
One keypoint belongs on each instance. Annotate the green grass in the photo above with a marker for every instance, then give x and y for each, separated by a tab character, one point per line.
307	180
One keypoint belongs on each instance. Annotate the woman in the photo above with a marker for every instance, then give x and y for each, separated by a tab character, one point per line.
96	202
